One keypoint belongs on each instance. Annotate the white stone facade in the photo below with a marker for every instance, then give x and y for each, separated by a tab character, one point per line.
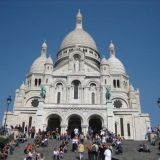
75	91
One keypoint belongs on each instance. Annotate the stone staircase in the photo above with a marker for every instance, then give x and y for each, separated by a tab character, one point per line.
130	152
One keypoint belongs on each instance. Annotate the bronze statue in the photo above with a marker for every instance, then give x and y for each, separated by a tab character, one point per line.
108	93
43	92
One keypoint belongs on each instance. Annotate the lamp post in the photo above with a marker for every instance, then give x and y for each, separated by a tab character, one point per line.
158	102
8	103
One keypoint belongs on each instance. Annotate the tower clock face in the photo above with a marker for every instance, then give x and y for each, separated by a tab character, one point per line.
35	102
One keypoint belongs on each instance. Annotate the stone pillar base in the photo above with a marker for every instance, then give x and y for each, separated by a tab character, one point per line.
84	129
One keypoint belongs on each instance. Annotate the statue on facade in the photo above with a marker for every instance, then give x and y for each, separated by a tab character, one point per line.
76	64
43	92
108	93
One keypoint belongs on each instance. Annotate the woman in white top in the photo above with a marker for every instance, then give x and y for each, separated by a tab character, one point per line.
107	153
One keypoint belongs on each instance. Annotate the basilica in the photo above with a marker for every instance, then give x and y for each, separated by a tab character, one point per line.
79	90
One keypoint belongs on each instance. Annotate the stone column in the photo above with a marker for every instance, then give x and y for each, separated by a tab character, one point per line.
110	116
39	124
63	128
84	129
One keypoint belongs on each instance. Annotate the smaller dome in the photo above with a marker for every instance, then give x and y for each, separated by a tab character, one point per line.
116	65
49	60
131	87
38	65
22	86
104	61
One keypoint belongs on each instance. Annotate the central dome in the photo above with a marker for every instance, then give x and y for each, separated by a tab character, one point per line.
78	36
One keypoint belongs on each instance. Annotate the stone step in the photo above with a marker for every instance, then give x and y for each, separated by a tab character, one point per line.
130	152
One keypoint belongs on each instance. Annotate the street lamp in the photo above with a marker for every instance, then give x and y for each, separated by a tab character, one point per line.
158	102
8	103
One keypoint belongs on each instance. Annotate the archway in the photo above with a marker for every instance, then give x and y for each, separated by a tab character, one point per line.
54	122
74	121
95	123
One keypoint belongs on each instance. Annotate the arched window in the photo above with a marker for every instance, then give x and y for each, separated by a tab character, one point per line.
58	97
128	129
115	128
30	122
93	98
46	80
39	83
105	81
35	82
74	67
59	86
122	127
76	90
76	84
114	83
118	84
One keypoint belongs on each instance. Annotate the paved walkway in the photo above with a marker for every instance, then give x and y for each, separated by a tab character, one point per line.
130	152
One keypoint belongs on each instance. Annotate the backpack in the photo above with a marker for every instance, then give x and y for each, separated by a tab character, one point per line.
94	148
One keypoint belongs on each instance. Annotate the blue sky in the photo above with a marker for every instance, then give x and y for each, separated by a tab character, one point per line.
133	25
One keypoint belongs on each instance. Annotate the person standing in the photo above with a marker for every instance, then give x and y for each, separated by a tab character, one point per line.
76	131
81	137
89	148
81	150
107	153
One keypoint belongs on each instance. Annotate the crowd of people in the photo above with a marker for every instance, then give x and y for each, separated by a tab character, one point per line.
12	143
100	145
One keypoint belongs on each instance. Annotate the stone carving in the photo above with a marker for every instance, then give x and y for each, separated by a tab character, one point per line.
76	64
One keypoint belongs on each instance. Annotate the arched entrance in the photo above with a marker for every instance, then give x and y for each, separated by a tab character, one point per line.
54	122
95	122
74	121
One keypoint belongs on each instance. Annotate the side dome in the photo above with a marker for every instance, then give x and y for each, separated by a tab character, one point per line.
116	65
78	37
104	61
49	60
38	65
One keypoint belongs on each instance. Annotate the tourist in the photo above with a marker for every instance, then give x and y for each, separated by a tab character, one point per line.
89	148
41	157
81	150
61	152
143	148
33	132
119	149
76	131
103	139
107	153
95	151
55	154
101	152
74	143
81	137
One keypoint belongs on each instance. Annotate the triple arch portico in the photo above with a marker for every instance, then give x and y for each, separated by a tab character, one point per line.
73	121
